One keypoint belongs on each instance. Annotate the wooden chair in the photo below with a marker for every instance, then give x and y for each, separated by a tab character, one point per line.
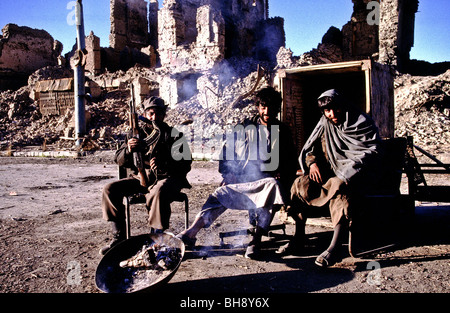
418	188
383	209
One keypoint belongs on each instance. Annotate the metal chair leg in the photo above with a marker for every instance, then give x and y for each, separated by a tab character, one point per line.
186	212
127	218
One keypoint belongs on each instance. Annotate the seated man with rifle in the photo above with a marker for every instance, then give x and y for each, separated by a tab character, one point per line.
160	159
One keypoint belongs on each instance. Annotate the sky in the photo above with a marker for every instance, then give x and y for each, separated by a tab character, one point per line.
306	21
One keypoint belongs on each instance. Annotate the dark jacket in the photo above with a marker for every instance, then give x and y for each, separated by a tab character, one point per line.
171	143
248	160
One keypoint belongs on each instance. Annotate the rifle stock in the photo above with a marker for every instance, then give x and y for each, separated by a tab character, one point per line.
137	155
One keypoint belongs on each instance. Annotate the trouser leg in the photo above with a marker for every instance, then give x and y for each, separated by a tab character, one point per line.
158	202
297	210
210	214
337	235
113	208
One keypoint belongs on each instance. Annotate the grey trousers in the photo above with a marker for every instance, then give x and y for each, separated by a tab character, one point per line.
258	197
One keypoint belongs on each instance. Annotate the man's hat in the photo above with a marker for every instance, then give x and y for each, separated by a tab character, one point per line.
154	102
332	93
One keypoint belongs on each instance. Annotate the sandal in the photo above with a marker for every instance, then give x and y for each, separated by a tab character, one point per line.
291	248
188	241
325	259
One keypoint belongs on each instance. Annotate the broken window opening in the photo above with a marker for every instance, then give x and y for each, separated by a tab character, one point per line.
187	87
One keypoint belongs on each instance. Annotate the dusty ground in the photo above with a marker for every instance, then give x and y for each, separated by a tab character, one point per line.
51	230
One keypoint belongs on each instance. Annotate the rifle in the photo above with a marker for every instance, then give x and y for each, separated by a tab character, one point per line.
138	155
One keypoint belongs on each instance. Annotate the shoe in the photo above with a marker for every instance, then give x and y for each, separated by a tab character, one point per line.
188	241
325	259
252	252
111	245
118	231
293	247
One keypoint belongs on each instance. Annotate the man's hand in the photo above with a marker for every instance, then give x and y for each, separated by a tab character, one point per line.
133	143
314	173
153	165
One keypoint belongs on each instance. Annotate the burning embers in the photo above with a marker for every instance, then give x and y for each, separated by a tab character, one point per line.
151	264
143	262
155	257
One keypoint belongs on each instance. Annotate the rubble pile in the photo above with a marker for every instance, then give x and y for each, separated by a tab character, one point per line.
423	111
323	54
107	113
422	108
200	57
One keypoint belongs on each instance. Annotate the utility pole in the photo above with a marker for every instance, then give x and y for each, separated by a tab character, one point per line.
79	95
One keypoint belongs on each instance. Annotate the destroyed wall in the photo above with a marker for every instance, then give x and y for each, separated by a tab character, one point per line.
359	38
396	31
153	8
23	50
205	94
129	40
129	26
197	35
191	37
93	58
388	40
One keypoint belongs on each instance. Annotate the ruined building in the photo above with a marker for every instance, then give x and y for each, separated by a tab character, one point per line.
396	31
24	50
382	31
196	34
183	39
187	37
387	34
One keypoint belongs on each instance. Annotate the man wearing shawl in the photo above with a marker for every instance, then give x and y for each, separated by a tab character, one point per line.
339	162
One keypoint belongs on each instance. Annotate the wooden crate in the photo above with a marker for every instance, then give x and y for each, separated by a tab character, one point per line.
366	84
55	96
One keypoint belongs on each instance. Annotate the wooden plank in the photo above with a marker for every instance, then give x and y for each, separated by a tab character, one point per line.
340	67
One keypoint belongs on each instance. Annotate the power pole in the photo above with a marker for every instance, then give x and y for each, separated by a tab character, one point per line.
79	95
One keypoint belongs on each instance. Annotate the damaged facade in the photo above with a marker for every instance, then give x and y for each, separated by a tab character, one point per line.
383	33
199	54
389	39
24	50
195	34
186	38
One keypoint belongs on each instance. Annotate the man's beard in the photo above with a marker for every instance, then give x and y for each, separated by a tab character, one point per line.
265	118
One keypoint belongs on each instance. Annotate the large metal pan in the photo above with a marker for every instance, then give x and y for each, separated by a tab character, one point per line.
112	278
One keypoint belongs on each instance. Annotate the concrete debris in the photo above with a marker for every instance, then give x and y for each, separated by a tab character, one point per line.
203	56
423	111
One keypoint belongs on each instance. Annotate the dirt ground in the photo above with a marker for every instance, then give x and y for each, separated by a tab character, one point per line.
51	231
